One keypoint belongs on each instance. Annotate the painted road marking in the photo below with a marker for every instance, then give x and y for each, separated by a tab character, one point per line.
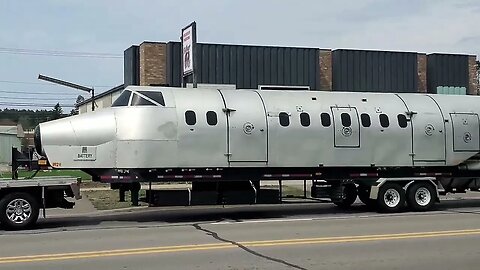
264	243
261	221
336	217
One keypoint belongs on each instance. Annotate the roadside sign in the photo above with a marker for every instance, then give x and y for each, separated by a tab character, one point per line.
189	39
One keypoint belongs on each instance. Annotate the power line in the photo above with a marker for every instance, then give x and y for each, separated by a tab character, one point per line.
58	53
49	84
37	93
51	99
54	51
27	112
26	104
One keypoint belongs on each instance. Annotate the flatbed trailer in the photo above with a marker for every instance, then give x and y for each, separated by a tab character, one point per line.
21	200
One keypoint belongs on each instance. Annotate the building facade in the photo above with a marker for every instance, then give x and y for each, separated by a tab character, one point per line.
11	135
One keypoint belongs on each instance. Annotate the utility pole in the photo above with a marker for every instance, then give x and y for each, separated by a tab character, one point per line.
477	67
91	90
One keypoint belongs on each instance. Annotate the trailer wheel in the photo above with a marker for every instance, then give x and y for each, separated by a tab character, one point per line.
391	198
364	196
348	196
421	196
18	211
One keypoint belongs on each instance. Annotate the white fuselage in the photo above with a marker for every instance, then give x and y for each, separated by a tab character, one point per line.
253	128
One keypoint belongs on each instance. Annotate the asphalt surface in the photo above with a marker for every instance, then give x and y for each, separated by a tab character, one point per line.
291	236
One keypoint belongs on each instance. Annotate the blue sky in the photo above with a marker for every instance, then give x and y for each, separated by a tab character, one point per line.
112	26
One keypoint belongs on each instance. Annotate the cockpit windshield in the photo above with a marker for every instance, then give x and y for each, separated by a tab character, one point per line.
123	99
155	96
137	100
140	98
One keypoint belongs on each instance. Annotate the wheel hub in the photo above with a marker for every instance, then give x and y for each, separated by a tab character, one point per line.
391	197
423	196
18	211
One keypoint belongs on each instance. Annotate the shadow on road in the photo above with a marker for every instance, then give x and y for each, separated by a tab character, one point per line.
180	216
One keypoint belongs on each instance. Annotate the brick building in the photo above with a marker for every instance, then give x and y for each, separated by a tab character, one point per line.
159	64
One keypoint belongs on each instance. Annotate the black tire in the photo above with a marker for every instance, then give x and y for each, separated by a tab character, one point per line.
24	223
391	198
421	196
348	198
364	196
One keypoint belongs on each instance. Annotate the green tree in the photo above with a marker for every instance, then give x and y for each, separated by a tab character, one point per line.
25	121
80	99
57	111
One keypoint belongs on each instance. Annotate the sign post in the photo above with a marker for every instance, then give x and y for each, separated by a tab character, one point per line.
189	41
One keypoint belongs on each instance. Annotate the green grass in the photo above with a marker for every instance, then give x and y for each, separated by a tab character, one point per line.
71	173
109	199
293	191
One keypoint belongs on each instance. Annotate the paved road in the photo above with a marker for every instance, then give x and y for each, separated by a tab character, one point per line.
297	236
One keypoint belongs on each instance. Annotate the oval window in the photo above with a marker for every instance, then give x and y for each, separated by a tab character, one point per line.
284	119
346	120
384	122
402	120
190	118
305	119
365	118
212	118
325	119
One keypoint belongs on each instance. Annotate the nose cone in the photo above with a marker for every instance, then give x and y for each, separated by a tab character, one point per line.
89	129
80	130
80	141
37	140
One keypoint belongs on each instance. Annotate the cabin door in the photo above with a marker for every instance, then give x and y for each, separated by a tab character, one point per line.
465	132
347	127
428	126
247	126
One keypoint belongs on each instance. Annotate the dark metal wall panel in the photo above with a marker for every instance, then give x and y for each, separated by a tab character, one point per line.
374	71
247	66
131	66
174	67
446	70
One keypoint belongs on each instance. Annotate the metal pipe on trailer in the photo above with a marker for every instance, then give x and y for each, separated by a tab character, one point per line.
150	194
304	188
280	191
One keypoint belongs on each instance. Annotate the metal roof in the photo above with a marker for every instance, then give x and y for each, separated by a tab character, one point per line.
16	130
8	130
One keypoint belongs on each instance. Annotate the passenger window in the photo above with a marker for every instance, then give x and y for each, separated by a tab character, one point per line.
402	120
212	118
325	119
384	122
155	96
190	118
305	119
346	120
365	118
122	100
140	101
284	119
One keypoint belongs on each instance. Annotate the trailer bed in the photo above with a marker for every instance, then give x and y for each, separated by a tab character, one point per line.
45	181
22	199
